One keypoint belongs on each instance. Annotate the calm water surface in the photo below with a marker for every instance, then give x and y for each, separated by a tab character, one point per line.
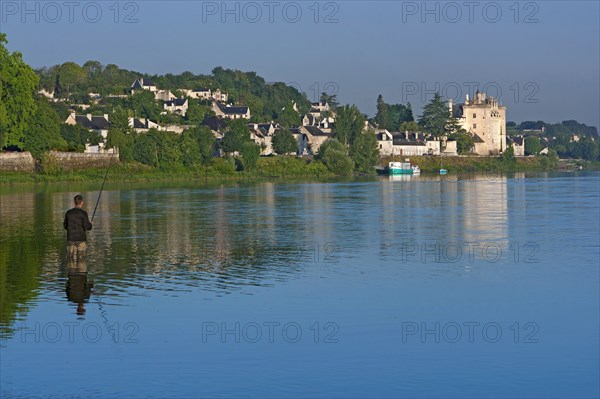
483	286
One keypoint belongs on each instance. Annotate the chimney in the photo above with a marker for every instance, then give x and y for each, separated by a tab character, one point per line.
450	106
467	99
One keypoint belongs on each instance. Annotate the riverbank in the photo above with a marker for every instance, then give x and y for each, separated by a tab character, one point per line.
479	164
289	168
219	169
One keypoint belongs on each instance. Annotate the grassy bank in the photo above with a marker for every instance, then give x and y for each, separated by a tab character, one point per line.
218	169
479	164
288	168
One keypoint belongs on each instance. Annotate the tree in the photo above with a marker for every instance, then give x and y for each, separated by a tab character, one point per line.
508	157
349	124
334	156
397	114
284	142
382	117
391	116
288	117
92	69
43	131
120	135
464	141
330	99
250	152
159	149
411	126
586	149
435	116
533	146
365	152
197	146
236	135
76	136
144	106
196	112
146	148
18	83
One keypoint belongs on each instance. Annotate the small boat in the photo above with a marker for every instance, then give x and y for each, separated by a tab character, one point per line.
403	168
443	172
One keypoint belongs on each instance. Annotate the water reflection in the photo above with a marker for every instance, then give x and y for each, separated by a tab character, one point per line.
224	238
78	288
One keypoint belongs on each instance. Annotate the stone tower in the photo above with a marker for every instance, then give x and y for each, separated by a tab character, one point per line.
485	119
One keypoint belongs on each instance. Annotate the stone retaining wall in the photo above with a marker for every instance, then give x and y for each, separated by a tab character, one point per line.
78	160
54	161
17	162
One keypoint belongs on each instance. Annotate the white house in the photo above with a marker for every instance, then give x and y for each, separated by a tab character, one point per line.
95	123
219	96
143	84
142	125
302	140
231	112
518	145
406	143
324	123
164	95
262	134
201	94
177	106
314	138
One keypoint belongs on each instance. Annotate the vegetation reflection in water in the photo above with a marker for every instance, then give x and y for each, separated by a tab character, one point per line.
218	237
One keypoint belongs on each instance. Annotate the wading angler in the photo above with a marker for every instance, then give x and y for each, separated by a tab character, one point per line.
77	223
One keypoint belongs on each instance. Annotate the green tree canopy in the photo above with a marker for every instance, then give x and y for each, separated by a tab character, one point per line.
197	146
144	106
435	117
196	112
411	126
250	152
365	152
330	99
18	84
159	149
121	135
464	141
236	135
333	154
349	124
391	116
43	131
284	142
533	146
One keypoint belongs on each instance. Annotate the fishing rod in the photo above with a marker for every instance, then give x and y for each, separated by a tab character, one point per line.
102	188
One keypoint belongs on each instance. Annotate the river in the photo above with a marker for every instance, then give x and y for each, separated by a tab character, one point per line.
481	285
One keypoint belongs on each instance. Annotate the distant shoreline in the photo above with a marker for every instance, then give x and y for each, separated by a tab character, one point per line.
287	168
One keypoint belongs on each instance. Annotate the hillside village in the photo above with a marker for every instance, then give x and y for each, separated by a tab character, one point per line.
482	116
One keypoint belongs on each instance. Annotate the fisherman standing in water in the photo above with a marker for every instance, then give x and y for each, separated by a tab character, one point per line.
77	222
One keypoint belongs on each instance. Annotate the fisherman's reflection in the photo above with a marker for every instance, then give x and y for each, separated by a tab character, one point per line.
79	289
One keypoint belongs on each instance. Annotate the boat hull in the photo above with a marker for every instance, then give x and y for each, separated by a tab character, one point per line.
403	168
401	172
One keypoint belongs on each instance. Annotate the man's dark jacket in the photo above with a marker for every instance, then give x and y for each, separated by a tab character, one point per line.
76	222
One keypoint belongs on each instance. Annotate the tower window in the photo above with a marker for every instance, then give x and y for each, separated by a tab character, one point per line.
474	116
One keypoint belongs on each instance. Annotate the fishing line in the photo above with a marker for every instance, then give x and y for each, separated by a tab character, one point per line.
102	188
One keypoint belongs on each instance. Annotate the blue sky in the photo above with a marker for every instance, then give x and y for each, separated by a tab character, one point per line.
541	57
